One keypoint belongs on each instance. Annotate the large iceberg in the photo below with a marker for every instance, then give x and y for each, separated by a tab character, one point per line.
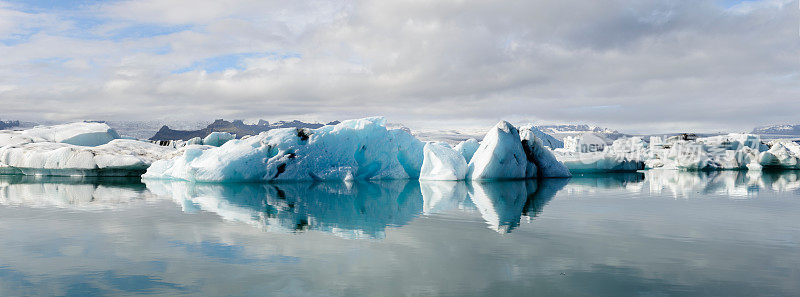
355	149
362	149
86	149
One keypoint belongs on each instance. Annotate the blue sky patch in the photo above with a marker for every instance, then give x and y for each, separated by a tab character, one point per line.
233	61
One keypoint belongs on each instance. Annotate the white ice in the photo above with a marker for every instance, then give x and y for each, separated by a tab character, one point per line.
441	162
82	134
500	155
218	138
87	149
467	148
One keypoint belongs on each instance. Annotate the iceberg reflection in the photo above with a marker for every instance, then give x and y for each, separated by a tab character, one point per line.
546	189
366	209
606	181
77	193
729	183
443	196
349	210
676	183
502	204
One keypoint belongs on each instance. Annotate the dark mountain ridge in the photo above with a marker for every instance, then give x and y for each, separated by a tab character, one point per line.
237	127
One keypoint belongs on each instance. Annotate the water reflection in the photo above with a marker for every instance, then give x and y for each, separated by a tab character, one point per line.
732	184
84	193
606	181
545	191
628	236
364	210
349	210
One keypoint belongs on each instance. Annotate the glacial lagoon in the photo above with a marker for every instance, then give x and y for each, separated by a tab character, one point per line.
655	233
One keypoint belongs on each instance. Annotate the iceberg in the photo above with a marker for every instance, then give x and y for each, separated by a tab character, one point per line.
546	139
441	162
85	149
362	149
781	155
411	154
546	164
598	162
724	152
217	138
467	148
120	157
590	153
351	150
500	155
81	134
734	151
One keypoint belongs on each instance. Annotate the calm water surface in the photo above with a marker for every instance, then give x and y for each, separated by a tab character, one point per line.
661	233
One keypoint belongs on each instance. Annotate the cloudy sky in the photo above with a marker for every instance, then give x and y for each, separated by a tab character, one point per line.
633	65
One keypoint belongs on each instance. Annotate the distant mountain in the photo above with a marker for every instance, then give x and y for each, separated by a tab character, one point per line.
8	124
561	131
778	131
237	127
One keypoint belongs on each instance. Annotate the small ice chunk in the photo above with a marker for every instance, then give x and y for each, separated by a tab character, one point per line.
218	138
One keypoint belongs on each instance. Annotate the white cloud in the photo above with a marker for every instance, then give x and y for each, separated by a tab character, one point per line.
661	64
